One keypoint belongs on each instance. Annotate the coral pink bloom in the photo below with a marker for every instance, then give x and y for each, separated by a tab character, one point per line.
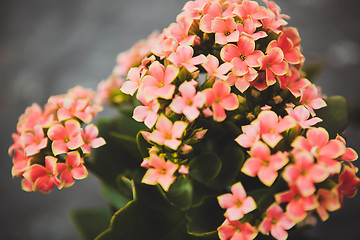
263	164
135	78
275	9
243	56
298	205
251	10
311	98
180	32
235	230
291	54
43	178
272	23
33	116
35	141
167	133
237	204
189	102
248	29
106	87
317	143
183	169
348	183
304	173
242	83
276	222
328	201
21	163
71	107
225	30
147	113
350	154
212	11
294	83
160	171
220	99
65	137
91	139
195	8
184	57
271	126
212	67
274	65
158	83
301	116
251	134
73	168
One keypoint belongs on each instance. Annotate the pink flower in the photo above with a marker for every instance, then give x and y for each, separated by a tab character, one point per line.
304	173
33	116
72	169
21	163
235	230
251	134
251	10
91	139
220	99
263	164
328	201
183	169
237	204
65	137
293	82
298	205
189	102
248	29
147	113
311	98
225	30
212	67
270	126
276	222
43	178
70	107
273	23
243	56
135	77
242	83
274	65
301	116
180	32
317	143
160	171
348	183
106	88
212	11
350	154
34	141
184	57
158	83
291	54
167	133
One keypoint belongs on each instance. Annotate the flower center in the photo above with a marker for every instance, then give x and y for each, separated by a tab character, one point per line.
242	57
168	136
162	171
227	33
238	204
190	102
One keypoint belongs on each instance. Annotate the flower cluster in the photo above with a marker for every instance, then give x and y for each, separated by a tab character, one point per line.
235	61
50	145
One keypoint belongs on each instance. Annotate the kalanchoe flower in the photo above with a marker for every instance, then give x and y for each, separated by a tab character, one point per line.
184	57
276	222
72	169
251	134
168	133
225	30
237	203
21	163
160	172
235	230
212	67
348	183
305	172
35	141
65	137
293	82
301	115
91	139
43	178
220	99
189	102
148	113
291	53
263	164
135	77
328	201
317	143
251	10
158	83
311	98
298	205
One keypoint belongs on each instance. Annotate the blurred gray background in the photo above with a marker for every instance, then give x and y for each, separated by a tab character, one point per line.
49	46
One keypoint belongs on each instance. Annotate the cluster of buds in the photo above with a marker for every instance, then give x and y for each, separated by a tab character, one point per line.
235	61
51	144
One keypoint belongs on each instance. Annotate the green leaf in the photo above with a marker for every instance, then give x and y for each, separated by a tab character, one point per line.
90	222
206	218
181	193
334	115
114	197
204	167
143	145
232	159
